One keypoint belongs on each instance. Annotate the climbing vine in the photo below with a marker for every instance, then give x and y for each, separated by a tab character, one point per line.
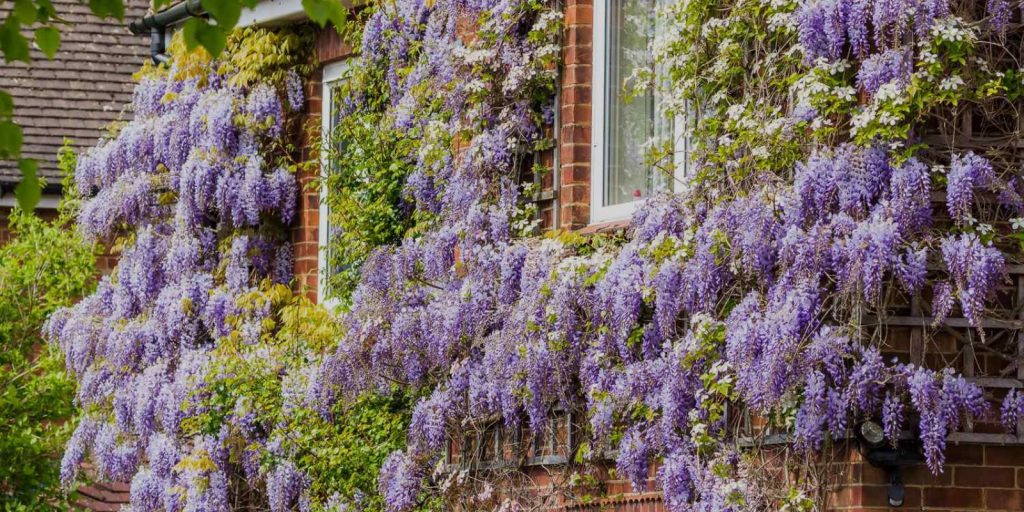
811	209
197	193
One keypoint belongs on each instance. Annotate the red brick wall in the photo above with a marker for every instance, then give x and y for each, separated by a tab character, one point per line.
574	132
976	478
305	232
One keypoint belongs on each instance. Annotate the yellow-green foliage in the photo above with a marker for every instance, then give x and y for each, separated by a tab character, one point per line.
342	453
262	55
188	63
252	55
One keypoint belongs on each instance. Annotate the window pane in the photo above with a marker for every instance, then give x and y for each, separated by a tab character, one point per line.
630	125
336	146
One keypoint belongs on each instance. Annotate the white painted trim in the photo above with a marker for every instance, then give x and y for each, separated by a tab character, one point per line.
599	99
269	12
280	12
46	202
332	73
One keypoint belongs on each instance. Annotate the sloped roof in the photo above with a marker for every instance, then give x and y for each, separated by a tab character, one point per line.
77	94
103	497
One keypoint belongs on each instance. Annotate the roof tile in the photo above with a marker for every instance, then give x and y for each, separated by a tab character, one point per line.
81	91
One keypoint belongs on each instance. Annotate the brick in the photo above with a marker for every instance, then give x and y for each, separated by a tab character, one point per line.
1004	455
579	74
576	134
575	173
579	35
878	496
965	454
871	497
314	105
845	497
575	194
968	476
1004	499
312	201
953	497
577	55
304	250
330	46
304	266
576	114
576	94
920	475
869	474
579	14
575	153
575	215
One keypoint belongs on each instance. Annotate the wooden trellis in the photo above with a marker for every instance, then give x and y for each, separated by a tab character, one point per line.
1003	342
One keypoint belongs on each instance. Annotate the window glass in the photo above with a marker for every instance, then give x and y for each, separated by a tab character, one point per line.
632	122
333	79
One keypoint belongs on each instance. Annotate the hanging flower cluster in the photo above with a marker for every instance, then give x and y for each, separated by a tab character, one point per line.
197	191
746	293
764	267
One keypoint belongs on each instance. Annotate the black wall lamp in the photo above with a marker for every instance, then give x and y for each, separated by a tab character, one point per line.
882	454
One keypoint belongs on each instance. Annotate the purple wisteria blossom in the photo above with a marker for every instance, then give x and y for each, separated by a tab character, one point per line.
399	482
967	173
975	270
890	66
172	186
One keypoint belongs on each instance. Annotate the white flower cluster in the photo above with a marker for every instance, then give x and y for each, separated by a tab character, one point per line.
812	87
952	29
951	83
879	111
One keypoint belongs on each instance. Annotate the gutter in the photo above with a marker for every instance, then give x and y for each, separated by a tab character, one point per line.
51	195
156	26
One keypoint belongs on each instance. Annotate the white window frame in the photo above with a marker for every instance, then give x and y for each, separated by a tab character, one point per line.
599	95
333	73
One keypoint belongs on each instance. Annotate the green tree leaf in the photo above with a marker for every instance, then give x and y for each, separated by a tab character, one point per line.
6	105
10	139
12	43
322	11
198	32
26	11
107	8
226	13
48	40
29	191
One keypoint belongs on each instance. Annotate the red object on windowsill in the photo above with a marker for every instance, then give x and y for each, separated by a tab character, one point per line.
637	193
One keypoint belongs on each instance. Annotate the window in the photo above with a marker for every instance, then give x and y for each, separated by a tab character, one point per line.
624	128
333	74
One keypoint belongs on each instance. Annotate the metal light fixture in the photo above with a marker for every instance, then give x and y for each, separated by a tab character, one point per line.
872	434
892	459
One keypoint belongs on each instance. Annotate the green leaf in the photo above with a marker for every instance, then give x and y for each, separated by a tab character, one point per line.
48	40
10	139
29	191
6	105
12	43
226	13
26	11
107	9
198	32
322	11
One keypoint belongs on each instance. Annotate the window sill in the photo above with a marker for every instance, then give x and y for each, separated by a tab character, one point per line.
612	226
